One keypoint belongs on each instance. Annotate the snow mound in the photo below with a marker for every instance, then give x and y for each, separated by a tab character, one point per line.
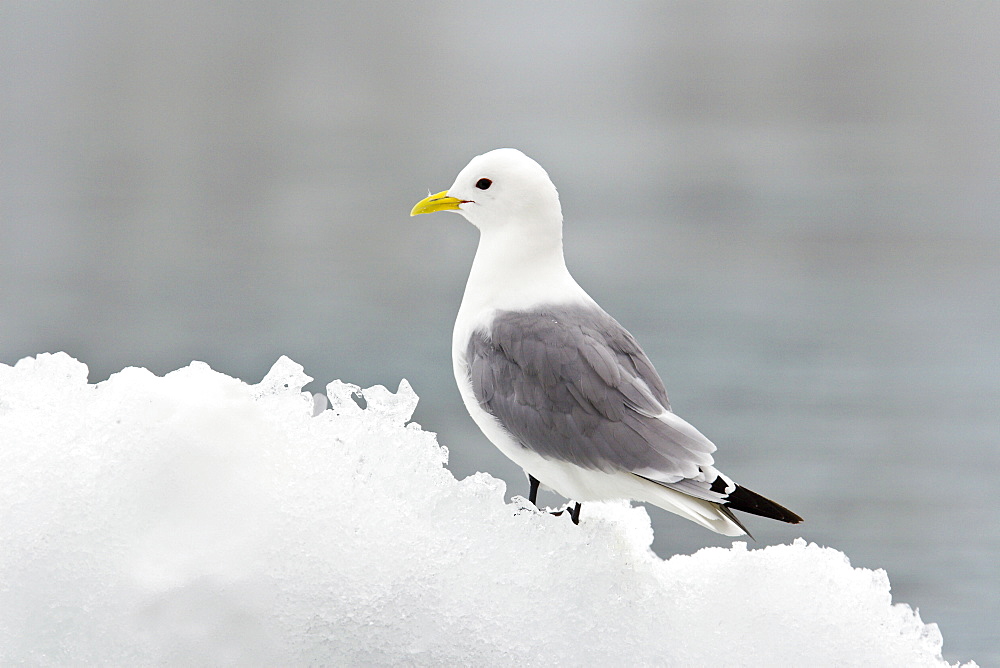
195	519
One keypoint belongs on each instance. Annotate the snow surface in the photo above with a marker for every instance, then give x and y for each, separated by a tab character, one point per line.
195	519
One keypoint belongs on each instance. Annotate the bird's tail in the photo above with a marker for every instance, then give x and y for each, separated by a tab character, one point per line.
709	514
751	502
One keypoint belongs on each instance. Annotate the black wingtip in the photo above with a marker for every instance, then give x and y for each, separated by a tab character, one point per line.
751	502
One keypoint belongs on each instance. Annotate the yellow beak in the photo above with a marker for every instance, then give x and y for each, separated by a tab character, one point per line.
439	202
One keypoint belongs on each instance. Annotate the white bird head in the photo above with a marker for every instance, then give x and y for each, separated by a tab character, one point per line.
500	189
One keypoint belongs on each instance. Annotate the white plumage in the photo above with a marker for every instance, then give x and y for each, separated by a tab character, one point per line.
553	381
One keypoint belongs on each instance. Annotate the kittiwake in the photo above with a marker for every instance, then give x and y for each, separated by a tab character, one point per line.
556	383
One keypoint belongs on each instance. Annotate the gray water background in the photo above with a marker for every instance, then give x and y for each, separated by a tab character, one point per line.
793	206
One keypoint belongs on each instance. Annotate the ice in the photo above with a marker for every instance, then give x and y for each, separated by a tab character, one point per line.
195	519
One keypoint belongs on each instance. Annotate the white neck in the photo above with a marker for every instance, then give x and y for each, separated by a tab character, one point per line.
513	270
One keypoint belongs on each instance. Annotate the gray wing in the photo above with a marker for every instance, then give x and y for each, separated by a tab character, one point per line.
572	384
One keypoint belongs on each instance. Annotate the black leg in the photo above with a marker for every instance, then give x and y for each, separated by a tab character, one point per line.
533	497
533	491
573	514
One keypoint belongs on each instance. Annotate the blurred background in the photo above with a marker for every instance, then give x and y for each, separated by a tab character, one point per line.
795	207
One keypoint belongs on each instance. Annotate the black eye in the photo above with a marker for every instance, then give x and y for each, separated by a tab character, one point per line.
483	184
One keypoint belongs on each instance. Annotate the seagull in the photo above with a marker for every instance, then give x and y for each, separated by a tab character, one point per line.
555	382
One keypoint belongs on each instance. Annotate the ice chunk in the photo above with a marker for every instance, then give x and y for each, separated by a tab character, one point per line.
284	376
342	398
320	403
394	408
195	519
379	403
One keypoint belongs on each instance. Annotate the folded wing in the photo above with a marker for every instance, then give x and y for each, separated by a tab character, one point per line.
572	384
